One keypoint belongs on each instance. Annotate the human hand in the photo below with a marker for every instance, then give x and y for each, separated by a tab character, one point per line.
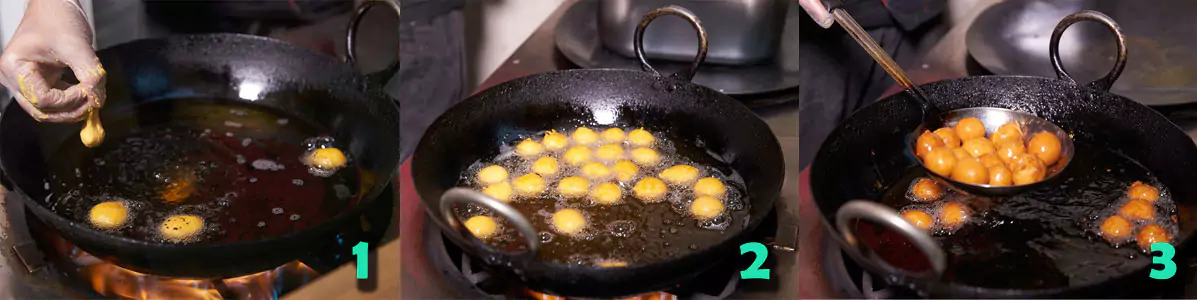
53	35
817	11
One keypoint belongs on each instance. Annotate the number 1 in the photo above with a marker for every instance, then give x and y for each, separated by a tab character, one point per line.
1167	252
754	271
362	252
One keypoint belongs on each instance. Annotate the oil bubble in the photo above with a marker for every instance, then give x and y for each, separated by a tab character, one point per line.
277	210
622	228
294	217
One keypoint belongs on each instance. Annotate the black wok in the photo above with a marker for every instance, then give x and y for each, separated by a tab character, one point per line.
303	83
866	156
474	129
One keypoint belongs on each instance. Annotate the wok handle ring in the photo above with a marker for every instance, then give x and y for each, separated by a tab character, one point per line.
380	78
468	196
1103	83
638	40
887	217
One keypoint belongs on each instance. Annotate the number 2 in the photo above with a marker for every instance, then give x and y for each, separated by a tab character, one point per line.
754	271
1166	253
362	252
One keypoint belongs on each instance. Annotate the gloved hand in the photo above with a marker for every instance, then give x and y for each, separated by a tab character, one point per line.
53	35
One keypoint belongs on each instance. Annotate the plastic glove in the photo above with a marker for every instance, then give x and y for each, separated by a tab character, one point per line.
818	12
53	35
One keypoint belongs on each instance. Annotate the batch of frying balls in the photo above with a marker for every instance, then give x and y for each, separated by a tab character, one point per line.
1007	157
928	213
599	165
1138	211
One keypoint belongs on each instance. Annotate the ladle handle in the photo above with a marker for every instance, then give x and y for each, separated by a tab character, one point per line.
889	218
638	40
456	196
1104	83
377	79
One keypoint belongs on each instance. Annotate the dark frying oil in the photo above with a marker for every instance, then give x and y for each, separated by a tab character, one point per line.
237	167
1047	238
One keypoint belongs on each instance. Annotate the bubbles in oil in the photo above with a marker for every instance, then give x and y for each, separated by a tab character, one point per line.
308	158
622	228
268	165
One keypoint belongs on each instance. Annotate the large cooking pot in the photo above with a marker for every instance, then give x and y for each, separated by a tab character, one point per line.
868	156
239	68
473	129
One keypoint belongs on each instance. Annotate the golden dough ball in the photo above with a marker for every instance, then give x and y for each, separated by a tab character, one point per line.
960	153
326	159
926	142
970	171
645	156
625	171
1046	146
1140	190
554	141
941	161
585	136
969	128
492	175
1009	132
952	215
641	138
613	264
710	186
948	136
573	186
1116	229
609	152
529	148
978	146
500	191
926	190
529	185
1027	169
596	171
650	189
679	174
920	219
1139	210
545	166
569	221
989	160
577	155
999	175
1009	150
607	193
1152	234
178	228
613	135
482	227
109	215
706	208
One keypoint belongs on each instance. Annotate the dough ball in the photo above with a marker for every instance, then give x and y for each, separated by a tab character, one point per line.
545	166
706	208
492	175
577	155
596	171
606	193
940	161
573	186
989	160
625	171
978	146
641	138
529	148
920	219
482	227
926	190
679	175
999	175
969	128
609	152
970	171
1116	229
326	159
645	156
1046	146
953	215
569	221
1009	132
554	141
1010	150
1152	234
650	189
710	186
926	142
1027	169
529	185
585	136
500	191
960	154
109	215
1140	190
613	135
613	264
179	228
1138	210
948	136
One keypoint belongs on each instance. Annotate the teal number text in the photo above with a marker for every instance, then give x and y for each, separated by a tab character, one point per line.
1165	259
754	271
362	252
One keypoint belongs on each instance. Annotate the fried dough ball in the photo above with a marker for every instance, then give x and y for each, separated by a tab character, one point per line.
710	186
554	141
109	215
920	219
1009	132
706	208
1027	169
529	148
545	166
989	160
978	146
609	152
625	171
969	128
596	171
941	161
606	193
948	136
569	221
641	138
585	136
577	155
492	175
926	190
326	159
970	171
1009	150
1140	190
1046	146
178	228
1152	234
573	186
926	142
613	264
482	227
500	191
679	175
645	156
529	185
1116	229
1138	210
650	189
999	175
613	135
952	215
960	153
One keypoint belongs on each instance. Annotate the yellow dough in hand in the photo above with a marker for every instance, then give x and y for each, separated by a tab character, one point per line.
609	152
500	191
545	166
326	159
529	185
92	134
613	135
596	171
710	186
625	171
650	189
706	208
577	155
109	215
607	193
492	175
645	156
585	136
641	138
529	148
679	174
482	227
569	221
573	186
179	228
554	141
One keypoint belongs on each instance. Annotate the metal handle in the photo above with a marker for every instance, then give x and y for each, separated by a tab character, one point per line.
638	40
888	217
1103	83
468	196
380	78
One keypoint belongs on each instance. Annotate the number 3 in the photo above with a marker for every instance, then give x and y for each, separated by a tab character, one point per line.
1166	253
754	271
